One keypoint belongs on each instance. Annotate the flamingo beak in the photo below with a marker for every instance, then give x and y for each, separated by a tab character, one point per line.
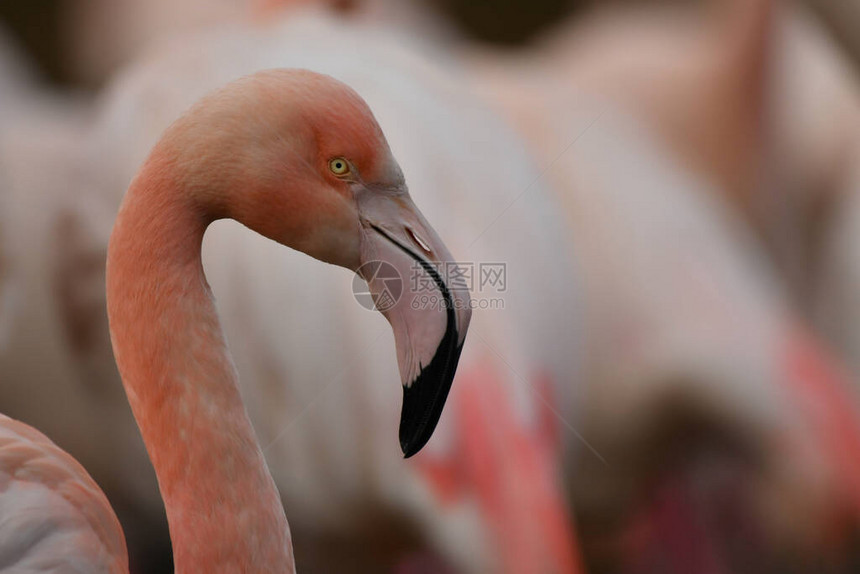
413	282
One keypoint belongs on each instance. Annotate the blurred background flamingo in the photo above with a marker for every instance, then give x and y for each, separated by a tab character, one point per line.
678	287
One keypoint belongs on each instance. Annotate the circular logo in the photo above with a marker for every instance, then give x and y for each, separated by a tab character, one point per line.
387	281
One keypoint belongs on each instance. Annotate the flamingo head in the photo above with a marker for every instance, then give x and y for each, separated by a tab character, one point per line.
302	160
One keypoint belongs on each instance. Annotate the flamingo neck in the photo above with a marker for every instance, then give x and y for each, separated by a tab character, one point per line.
223	508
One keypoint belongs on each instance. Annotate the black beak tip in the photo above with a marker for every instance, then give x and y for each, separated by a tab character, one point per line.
410	449
425	398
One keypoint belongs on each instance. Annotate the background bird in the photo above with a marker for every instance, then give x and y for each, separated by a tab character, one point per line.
656	138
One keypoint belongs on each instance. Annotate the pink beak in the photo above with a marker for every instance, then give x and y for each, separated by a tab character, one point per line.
412	278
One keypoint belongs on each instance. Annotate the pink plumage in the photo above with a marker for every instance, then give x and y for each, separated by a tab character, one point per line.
55	517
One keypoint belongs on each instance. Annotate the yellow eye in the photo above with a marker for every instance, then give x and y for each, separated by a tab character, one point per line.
339	166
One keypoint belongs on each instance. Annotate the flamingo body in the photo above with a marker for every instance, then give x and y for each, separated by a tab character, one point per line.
55	517
690	332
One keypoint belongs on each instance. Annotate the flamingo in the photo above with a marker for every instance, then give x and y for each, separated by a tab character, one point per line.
740	98
47	286
816	157
718	372
298	157
659	190
327	472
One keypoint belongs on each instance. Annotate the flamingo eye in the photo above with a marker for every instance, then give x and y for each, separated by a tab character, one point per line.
339	166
